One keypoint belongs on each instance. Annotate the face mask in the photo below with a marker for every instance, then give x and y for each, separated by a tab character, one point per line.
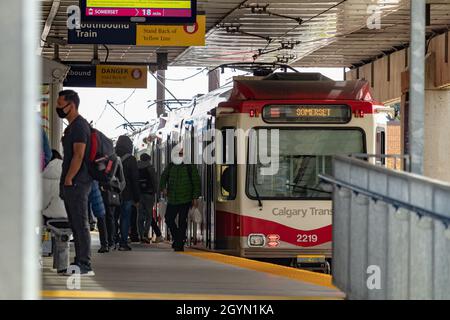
61	113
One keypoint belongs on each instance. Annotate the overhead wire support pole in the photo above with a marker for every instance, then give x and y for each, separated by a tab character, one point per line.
417	85
129	123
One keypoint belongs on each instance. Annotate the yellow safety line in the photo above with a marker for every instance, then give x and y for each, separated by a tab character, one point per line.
292	273
67	294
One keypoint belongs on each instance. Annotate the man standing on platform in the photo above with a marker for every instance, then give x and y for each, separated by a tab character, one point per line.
75	183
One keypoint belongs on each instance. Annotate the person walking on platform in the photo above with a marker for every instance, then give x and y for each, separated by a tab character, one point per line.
75	183
131	193
181	184
147	183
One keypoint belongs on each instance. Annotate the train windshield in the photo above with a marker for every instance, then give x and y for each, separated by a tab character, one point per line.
303	154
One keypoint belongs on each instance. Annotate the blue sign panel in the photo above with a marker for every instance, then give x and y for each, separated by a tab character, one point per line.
103	33
81	76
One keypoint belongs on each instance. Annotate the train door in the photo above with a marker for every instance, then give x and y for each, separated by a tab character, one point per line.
208	182
226	184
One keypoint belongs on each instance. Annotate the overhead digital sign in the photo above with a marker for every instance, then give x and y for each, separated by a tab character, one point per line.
307	114
142	11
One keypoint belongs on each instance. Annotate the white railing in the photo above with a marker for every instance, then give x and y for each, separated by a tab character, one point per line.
391	237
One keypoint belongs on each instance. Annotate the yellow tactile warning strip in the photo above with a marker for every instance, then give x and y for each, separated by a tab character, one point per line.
66	294
292	273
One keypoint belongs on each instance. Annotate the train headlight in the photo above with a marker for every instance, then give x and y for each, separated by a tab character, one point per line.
256	240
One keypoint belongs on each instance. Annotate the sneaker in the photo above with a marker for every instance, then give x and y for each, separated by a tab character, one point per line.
124	248
87	273
178	249
103	249
159	239
84	272
145	241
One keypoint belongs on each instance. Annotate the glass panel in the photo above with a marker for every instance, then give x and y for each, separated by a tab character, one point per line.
304	153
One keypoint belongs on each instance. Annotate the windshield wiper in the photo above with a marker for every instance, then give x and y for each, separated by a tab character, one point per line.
256	190
307	188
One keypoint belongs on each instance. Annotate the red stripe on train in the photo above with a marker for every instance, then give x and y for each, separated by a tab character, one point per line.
234	225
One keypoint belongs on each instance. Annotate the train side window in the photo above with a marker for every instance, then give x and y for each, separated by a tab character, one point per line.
228	171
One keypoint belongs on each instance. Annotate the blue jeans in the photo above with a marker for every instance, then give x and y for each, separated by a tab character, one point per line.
125	215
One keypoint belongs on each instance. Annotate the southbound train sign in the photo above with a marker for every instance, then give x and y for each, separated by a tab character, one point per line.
140	35
103	33
107	76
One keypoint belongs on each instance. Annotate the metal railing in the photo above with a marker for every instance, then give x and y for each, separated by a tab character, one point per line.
399	161
390	232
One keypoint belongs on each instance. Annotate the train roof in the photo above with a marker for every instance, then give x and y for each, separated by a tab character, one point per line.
301	90
278	86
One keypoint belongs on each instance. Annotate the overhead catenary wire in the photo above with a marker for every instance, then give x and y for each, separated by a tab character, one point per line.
107	53
184	79
101	115
110	103
306	21
165	88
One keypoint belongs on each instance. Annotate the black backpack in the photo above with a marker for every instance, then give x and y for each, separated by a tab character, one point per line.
103	162
145	181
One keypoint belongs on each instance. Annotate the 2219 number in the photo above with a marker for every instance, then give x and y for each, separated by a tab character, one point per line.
307	238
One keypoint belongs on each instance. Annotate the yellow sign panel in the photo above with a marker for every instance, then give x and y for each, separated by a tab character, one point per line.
173	36
121	76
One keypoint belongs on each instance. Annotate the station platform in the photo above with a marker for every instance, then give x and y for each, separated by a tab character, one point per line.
156	272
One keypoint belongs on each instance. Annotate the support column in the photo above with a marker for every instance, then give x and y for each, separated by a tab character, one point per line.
214	80
20	148
417	85
55	121
161	93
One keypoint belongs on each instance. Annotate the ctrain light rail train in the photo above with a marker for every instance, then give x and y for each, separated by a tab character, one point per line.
305	119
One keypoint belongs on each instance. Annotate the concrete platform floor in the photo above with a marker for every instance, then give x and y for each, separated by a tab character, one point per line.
156	272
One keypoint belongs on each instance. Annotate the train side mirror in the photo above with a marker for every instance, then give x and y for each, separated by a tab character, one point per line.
227	182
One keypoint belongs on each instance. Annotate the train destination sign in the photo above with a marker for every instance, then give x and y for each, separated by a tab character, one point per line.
307	113
147	11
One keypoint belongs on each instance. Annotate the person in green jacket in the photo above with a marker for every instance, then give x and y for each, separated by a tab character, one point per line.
180	183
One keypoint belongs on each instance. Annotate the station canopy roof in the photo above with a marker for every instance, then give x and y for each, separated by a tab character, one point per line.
301	33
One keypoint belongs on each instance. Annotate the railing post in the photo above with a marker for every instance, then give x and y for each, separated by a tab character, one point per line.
341	237
421	257
441	252
358	247
377	246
